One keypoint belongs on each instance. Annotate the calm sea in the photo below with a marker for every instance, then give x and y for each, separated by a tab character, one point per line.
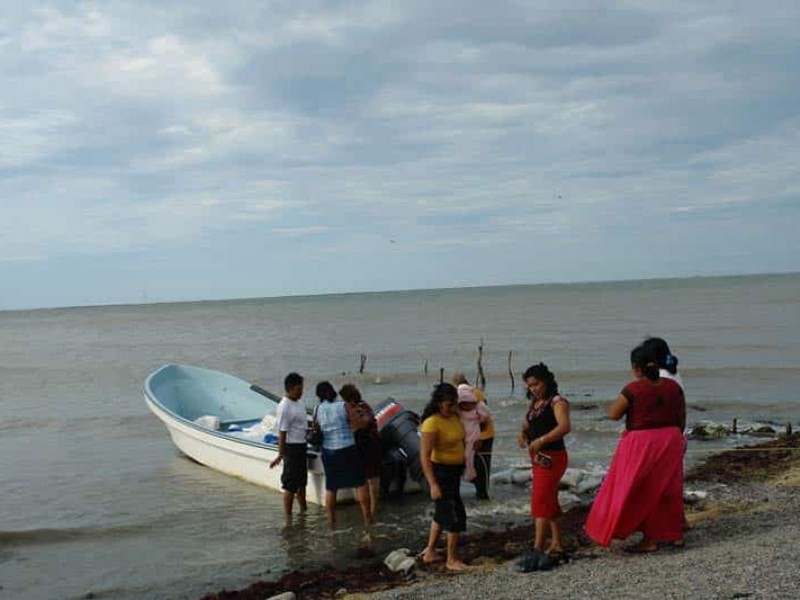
94	499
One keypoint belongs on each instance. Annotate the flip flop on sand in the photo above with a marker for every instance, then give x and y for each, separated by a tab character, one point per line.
638	549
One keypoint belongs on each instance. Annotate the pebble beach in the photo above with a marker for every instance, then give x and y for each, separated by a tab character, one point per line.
742	543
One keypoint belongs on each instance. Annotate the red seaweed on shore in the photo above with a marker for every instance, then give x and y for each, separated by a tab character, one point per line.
374	576
758	462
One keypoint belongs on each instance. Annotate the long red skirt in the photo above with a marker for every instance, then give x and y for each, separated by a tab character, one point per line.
643	490
545	480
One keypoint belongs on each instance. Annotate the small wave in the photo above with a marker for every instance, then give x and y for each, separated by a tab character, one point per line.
30	537
13	424
122	422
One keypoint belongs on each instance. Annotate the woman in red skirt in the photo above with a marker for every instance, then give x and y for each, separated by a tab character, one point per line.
542	433
643	490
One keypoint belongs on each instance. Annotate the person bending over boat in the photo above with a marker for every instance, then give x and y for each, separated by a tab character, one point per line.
368	442
442	460
340	457
643	490
291	422
542	433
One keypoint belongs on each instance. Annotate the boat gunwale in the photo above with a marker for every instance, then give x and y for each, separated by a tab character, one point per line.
151	398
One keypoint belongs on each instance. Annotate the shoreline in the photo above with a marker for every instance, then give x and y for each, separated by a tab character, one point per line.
752	502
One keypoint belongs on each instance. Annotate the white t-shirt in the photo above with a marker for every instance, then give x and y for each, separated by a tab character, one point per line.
667	375
291	417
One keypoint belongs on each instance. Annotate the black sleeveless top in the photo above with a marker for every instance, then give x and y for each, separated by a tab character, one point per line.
543	421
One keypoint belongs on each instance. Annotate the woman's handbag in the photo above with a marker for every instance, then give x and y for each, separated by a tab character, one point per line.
314	434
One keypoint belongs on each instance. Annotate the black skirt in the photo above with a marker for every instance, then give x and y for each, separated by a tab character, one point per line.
449	511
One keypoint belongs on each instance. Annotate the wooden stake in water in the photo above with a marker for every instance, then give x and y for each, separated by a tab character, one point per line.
510	370
481	378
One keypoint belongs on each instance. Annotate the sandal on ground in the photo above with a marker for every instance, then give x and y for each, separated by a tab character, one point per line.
673	544
559	556
529	562
637	549
546	562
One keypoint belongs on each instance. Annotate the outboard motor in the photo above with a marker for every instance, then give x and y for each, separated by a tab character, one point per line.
398	429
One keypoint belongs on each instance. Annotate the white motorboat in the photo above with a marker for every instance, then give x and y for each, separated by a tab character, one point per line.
224	422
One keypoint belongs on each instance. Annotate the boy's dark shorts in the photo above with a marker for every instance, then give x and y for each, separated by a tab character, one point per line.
295	468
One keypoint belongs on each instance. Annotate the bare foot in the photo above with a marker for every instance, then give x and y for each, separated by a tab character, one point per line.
430	556
555	550
456	565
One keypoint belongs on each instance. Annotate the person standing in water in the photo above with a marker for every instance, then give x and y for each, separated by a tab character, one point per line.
292	423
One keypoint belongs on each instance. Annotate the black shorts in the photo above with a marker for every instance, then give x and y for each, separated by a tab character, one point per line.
295	467
449	510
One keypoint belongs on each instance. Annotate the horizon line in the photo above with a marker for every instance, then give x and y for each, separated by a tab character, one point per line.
397	291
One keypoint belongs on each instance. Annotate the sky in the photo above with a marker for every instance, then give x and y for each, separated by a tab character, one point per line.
154	152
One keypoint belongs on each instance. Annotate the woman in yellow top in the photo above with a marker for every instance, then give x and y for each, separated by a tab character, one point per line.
442	459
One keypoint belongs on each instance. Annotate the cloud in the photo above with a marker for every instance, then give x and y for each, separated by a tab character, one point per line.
149	127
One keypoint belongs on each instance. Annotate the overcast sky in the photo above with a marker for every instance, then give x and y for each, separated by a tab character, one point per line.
154	151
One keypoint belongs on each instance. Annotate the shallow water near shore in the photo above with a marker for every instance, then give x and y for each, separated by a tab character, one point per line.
95	499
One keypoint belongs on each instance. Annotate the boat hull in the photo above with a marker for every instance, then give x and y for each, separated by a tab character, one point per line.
227	453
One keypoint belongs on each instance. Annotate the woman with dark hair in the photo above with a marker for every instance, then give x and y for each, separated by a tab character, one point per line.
368	442
542	433
442	460
340	458
643	490
666	361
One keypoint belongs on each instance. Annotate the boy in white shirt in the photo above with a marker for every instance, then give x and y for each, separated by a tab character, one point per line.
291	423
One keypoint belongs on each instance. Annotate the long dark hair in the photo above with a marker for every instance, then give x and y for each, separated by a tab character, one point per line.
659	350
644	361
350	393
542	373
441	393
325	391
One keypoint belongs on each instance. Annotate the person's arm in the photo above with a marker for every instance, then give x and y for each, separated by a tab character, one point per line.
281	449
618	408
428	441
682	413
562	428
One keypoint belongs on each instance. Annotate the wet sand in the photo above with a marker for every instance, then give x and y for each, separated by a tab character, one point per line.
742	543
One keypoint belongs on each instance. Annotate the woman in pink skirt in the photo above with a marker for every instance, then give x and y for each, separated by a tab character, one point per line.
643	490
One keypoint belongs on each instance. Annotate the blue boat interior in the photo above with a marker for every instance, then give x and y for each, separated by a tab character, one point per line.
192	392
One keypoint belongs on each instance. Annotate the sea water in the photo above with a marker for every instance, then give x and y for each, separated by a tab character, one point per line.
95	500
